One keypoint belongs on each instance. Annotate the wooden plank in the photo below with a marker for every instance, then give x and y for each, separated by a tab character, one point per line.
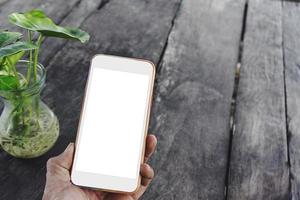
137	28
191	112
259	161
291	35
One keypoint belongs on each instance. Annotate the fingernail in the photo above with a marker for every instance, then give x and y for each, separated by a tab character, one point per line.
145	165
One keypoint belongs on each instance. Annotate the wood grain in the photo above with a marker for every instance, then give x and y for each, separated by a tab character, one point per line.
259	161
191	114
291	35
194	86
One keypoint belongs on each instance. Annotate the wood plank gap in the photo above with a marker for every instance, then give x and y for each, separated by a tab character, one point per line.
243	32
234	95
102	4
159	64
68	13
288	133
291	47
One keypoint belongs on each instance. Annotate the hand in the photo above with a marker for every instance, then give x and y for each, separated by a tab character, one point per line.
59	187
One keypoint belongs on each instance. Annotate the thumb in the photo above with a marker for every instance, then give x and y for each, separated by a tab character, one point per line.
63	160
58	175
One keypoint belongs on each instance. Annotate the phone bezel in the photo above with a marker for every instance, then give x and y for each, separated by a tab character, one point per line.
100	181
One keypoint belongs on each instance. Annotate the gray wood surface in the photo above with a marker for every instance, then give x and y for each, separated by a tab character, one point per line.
259	161
191	111
291	36
195	45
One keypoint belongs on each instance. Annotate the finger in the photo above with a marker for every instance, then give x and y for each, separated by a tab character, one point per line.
147	174
64	159
151	142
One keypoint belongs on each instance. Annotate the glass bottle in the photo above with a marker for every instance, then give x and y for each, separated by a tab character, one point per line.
28	128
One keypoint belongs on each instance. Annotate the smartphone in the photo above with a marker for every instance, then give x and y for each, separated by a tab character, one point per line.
113	125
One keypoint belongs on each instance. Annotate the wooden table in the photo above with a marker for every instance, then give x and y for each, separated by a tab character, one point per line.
227	100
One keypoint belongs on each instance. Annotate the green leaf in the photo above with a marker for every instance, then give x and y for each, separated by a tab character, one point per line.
4	73
7	38
14	58
16	48
36	20
8	82
6	70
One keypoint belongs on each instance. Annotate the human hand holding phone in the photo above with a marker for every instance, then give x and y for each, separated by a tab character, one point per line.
58	184
113	124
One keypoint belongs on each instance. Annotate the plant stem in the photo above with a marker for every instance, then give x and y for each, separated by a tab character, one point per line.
29	69
36	53
2	62
15	73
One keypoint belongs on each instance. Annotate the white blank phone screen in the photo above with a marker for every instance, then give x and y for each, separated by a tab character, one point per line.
112	123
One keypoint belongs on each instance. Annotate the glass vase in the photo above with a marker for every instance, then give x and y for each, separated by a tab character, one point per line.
28	128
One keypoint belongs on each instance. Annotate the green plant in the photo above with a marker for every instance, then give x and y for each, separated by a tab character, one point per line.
12	49
13	46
